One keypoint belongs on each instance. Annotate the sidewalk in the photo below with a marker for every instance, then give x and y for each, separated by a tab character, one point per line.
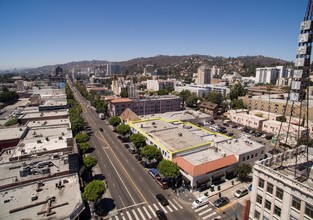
189	197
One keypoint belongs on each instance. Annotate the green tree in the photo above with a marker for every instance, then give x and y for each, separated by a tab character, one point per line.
90	162
192	101
80	138
94	190
163	92
214	97
84	147
168	169
124	94
184	95
236	91
123	129
150	152
115	121
243	171
77	125
236	104
9	97
10	122
138	140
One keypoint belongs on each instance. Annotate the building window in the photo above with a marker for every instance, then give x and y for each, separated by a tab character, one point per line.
259	199
309	210
265	218
248	157
268	204
261	183
252	156
279	193
277	210
256	215
244	158
293	218
296	203
269	188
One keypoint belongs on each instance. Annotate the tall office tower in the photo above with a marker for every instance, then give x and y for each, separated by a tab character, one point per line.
113	69
204	75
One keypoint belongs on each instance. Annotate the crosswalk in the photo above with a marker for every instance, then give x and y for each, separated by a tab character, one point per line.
146	211
207	212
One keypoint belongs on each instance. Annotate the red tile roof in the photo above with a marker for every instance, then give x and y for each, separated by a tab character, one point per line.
205	167
120	100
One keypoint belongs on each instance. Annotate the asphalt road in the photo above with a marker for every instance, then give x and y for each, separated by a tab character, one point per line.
132	189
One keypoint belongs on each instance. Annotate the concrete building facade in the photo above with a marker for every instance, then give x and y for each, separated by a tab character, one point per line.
204	75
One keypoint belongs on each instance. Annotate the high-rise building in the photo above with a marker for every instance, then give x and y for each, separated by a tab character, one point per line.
204	75
113	69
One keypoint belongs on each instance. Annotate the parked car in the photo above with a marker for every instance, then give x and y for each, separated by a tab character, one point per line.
161	198
263	135
126	146
258	134
138	157
234	126
100	129
225	124
230	134
221	202
223	131
268	137
241	192
160	214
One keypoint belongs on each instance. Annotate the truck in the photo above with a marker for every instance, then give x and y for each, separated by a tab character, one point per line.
101	116
159	180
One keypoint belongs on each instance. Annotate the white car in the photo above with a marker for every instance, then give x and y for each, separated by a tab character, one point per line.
200	202
263	135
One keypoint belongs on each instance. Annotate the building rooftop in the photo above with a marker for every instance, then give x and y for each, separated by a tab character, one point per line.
177	135
184	115
238	146
252	117
56	198
52	102
32	169
121	100
286	164
12	133
45	114
48	123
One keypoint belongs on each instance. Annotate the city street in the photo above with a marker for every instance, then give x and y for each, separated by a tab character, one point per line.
131	188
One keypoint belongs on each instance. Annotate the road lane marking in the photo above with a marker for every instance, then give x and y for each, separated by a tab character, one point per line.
208	216
156	207
201	208
162	207
146	211
171	210
129	216
173	205
127	207
202	213
153	212
140	179
132	181
122	200
177	204
113	185
135	214
141	214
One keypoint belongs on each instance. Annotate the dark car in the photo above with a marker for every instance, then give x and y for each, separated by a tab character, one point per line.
230	134
126	146
161	215
100	129
221	202
234	126
258	134
223	131
225	124
268	137
162	199
138	157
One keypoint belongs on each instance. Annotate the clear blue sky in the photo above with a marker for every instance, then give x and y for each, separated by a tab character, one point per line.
41	32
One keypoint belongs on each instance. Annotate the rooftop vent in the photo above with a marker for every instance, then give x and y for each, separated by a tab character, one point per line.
180	134
47	138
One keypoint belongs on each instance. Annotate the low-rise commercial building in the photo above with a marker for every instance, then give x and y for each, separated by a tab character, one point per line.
251	121
202	89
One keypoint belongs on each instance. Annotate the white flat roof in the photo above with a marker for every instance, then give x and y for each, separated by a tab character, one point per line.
12	133
177	135
178	115
47	123
239	146
16	203
45	114
54	103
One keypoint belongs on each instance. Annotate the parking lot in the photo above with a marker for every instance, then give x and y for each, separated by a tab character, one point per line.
236	131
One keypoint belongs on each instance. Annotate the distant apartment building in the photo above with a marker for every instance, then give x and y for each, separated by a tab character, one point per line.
113	69
276	104
251	121
277	193
204	75
146	105
202	90
272	75
216	72
157	85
